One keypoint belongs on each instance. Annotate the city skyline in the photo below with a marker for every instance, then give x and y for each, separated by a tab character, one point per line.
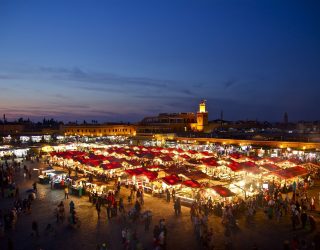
121	61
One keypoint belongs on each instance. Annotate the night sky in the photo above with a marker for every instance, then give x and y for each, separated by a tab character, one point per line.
123	60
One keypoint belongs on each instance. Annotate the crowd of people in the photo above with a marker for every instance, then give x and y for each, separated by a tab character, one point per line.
21	204
275	203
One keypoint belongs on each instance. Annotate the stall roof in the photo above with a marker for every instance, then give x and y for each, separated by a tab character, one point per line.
247	166
179	150
251	167
196	175
235	166
274	159
192	152
289	173
166	158
151	175
187	157
191	183
254	158
154	166
205	153
194	161
223	191
210	162
271	167
175	170
171	180
134	162
111	165
294	161
235	155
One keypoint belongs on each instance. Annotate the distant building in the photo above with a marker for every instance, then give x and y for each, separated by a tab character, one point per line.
175	122
202	116
99	129
10	128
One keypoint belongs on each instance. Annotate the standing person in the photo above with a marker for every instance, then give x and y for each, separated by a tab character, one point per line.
303	218
138	194
115	208
35	187
142	198
69	172
98	207
173	194
137	207
312	203
71	205
17	192
168	195
124	235
175	206
162	240
109	210
66	193
121	205
147	222
61	213
179	205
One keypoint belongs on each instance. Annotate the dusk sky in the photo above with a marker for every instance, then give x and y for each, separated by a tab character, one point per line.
123	60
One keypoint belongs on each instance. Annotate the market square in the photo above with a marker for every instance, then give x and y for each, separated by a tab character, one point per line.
112	176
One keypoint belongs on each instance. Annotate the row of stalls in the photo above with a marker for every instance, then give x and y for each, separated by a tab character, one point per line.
8	151
56	178
191	174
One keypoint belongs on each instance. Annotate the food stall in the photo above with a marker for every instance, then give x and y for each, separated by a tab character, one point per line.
59	179
218	194
140	177
188	191
45	177
78	187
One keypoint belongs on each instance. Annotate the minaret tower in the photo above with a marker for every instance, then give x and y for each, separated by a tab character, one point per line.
202	116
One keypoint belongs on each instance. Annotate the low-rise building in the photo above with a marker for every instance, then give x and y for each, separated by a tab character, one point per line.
99	129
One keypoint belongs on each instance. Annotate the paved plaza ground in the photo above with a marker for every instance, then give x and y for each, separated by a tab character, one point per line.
264	233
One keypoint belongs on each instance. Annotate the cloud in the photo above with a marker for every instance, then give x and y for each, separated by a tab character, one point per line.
79	75
6	77
108	82
78	78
